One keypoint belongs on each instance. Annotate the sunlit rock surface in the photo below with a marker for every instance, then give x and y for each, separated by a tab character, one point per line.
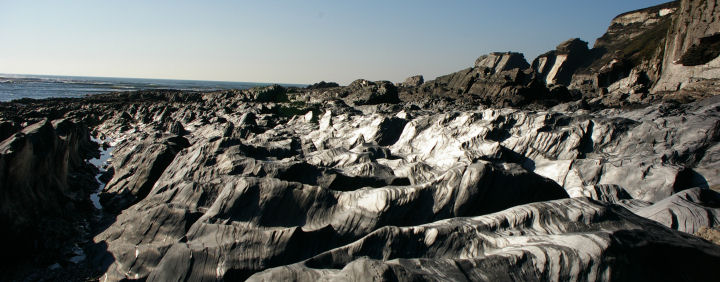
409	191
572	239
208	186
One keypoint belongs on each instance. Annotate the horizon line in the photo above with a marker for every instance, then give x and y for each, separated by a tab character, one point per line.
151	78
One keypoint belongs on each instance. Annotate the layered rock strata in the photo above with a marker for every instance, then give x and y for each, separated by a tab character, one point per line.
220	185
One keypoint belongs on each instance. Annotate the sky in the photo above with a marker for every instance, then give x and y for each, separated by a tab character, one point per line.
286	41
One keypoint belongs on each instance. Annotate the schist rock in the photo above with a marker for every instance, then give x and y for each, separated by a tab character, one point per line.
294	190
557	240
284	202
588	164
44	185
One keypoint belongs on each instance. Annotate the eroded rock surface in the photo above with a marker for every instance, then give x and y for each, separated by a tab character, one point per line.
43	188
293	190
217	185
572	239
501	171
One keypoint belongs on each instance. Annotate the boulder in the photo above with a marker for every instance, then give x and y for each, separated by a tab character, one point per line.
498	62
559	65
364	92
413	81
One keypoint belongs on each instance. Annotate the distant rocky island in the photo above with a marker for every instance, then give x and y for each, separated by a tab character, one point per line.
595	163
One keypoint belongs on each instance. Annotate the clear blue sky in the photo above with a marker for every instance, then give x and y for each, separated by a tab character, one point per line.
286	41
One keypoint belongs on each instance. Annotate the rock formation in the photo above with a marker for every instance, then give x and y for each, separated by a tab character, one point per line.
413	81
691	49
502	79
588	240
558	66
43	187
632	46
503	171
254	192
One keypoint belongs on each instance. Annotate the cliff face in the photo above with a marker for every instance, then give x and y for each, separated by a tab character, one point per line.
690	62
671	47
666	48
627	59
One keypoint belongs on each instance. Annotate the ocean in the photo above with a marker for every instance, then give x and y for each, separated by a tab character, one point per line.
14	86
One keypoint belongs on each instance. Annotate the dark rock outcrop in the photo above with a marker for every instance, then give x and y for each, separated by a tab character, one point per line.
499	79
364	92
7	128
43	189
413	81
323	84
275	93
559	65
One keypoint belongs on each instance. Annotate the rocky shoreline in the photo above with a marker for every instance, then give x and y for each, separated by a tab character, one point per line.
584	164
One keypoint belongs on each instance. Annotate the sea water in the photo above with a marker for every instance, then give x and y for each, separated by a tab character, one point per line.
13	86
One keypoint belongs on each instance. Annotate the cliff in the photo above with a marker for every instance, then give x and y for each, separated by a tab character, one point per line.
669	52
622	65
690	62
